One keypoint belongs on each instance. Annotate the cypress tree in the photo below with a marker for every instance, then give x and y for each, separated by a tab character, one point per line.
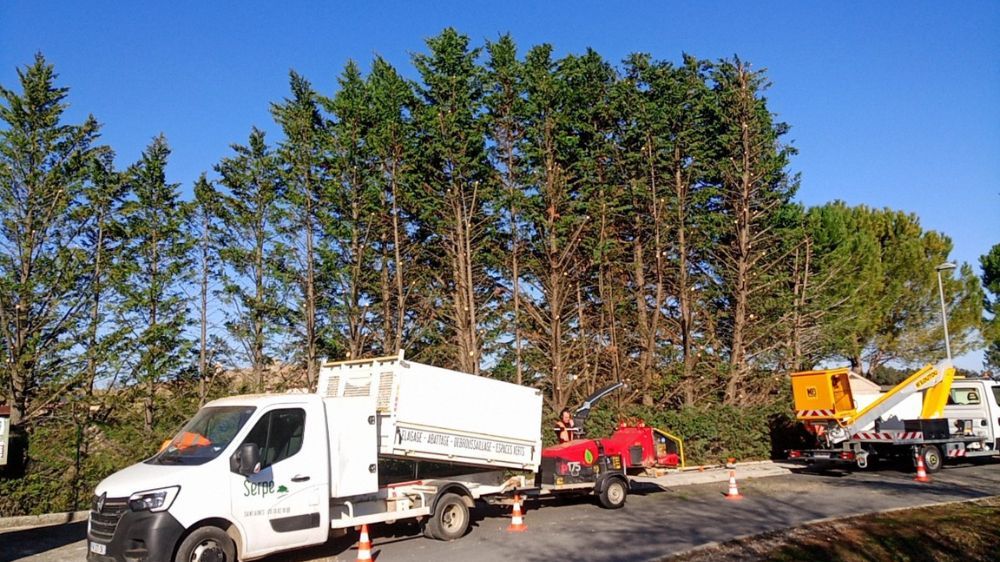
304	171
44	166
456	198
255	286
151	281
392	149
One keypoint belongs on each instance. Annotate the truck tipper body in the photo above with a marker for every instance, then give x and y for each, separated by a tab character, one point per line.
957	418
253	475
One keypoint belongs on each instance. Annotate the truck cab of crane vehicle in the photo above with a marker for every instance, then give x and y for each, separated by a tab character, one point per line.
248	475
973	409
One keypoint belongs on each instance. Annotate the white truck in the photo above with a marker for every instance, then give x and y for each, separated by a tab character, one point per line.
253	475
957	418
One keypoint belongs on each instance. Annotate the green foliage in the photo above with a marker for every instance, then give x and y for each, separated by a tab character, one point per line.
991	282
153	305
255	286
44	165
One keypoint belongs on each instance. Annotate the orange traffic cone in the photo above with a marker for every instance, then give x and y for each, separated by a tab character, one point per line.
364	545
733	493
516	520
921	470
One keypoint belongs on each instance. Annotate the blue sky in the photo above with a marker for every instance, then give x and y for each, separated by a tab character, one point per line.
891	104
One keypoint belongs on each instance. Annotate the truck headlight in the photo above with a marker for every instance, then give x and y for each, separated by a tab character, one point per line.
153	500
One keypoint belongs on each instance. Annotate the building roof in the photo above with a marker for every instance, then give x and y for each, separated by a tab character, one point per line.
863	385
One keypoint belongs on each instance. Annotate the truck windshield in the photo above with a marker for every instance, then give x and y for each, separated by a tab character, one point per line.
204	437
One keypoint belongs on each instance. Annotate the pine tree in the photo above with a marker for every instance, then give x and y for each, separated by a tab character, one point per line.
903	320
44	166
154	306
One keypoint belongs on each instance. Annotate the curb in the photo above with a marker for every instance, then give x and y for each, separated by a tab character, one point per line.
43	520
691	476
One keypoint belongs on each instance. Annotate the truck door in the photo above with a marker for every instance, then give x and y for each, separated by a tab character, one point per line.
285	503
968	410
994	407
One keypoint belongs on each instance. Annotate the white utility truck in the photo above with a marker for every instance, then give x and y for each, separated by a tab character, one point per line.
958	418
253	475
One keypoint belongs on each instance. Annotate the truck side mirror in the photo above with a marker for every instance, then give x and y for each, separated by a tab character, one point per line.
245	460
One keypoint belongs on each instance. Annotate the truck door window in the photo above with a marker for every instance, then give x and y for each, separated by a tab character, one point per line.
278	435
963	397
996	394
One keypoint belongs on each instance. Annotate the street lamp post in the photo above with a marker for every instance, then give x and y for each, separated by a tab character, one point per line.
946	266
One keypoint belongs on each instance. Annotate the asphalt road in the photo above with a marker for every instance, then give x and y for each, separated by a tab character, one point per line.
654	523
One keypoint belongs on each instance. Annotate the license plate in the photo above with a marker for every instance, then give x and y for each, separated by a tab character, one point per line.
821	455
98	548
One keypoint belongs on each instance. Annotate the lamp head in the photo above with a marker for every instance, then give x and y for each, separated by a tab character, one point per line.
946	266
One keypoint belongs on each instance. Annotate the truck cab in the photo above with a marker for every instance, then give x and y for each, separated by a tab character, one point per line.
247	473
973	409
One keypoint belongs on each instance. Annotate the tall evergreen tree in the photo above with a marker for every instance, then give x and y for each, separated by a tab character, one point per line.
304	164
207	233
456	196
392	149
152	281
755	188
563	100
350	266
255	287
506	114
44	166
101	338
990	263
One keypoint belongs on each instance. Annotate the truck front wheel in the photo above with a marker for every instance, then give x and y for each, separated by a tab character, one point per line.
932	458
614	494
206	544
450	519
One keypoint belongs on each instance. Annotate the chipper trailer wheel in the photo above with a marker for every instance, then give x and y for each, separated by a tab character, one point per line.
614	494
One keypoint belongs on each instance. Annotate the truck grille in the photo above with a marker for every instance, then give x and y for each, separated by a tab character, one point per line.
103	522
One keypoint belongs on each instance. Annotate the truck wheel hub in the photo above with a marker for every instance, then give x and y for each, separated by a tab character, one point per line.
208	551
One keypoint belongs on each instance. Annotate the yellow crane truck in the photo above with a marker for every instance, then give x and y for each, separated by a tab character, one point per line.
959	418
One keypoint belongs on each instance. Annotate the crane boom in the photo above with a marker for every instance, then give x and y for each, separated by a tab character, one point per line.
935	380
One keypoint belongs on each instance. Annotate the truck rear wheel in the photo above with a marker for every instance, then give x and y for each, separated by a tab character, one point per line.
450	519
614	494
206	544
932	458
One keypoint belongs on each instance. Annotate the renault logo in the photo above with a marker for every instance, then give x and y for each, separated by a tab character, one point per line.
100	501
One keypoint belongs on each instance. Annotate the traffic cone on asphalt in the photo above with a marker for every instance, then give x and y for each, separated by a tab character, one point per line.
733	493
921	470
364	545
516	520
